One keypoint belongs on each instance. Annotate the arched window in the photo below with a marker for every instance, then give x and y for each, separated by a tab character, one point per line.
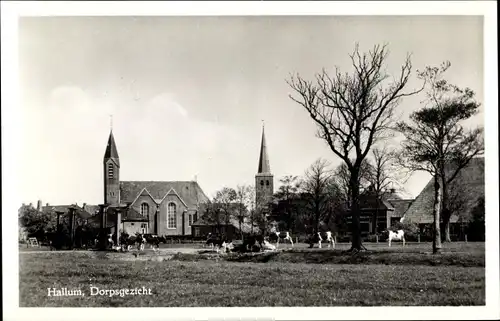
262	183
144	209
267	183
110	170
171	216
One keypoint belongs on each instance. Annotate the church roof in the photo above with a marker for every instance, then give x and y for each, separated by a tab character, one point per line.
111	151
264	167
470	183
190	192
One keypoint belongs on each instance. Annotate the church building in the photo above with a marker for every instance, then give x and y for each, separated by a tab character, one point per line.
264	180
156	207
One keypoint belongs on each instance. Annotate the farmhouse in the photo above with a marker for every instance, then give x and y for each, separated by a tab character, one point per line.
380	213
159	207
465	192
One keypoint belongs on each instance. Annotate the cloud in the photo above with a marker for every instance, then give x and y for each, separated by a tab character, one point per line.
69	99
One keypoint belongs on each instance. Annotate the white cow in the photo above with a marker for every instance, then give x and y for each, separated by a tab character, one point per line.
329	239
397	236
280	235
266	246
225	247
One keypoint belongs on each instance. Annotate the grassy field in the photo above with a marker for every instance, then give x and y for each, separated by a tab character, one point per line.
381	277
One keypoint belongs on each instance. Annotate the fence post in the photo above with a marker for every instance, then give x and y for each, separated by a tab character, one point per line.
465	238
376	238
296	239
418	238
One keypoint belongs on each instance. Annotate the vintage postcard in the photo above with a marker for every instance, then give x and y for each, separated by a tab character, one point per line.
250	161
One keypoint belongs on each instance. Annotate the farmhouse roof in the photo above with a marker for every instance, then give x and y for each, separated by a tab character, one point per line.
246	227
400	206
470	181
64	209
189	191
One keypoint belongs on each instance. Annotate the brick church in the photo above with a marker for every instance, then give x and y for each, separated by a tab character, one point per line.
156	207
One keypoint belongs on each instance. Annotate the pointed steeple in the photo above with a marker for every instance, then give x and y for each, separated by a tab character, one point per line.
263	159
111	151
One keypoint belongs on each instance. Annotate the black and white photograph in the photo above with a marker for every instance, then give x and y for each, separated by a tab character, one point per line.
311	157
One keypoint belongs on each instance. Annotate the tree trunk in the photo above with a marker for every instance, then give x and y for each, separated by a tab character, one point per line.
436	242
445	213
355	226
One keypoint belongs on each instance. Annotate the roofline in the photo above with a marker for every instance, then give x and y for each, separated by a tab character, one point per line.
172	189
139	194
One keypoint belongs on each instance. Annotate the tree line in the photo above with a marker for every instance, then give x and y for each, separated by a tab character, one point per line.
356	112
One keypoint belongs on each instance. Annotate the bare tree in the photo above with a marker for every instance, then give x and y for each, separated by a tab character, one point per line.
354	111
287	195
435	141
380	175
316	191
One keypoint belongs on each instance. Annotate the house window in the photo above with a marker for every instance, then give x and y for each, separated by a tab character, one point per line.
144	209
110	170
171	216
144	228
197	232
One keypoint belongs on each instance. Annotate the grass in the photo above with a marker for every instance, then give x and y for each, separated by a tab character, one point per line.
387	277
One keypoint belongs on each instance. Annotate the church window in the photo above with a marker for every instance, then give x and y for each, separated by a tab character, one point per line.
190	219
267	183
262	183
171	216
144	209
110	170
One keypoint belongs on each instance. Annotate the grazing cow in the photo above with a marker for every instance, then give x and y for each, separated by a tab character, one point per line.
152	240
253	243
396	236
276	235
127	241
217	242
320	237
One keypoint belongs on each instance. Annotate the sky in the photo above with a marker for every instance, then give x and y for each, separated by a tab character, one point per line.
188	95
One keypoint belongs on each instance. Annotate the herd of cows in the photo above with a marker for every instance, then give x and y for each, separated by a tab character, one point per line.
254	243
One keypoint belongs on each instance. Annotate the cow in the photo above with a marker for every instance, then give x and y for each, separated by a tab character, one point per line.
127	241
276	235
253	243
153	240
219	242
320	237
266	246
396	236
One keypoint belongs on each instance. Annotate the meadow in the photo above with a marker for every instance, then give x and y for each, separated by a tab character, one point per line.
181	277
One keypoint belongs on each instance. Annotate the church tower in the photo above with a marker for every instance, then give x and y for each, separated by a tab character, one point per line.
111	173
264	185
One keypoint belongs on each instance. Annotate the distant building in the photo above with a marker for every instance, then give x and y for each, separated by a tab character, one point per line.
264	180
465	190
380	213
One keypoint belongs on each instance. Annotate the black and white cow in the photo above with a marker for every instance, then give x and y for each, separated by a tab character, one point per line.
399	235
320	237
276	236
